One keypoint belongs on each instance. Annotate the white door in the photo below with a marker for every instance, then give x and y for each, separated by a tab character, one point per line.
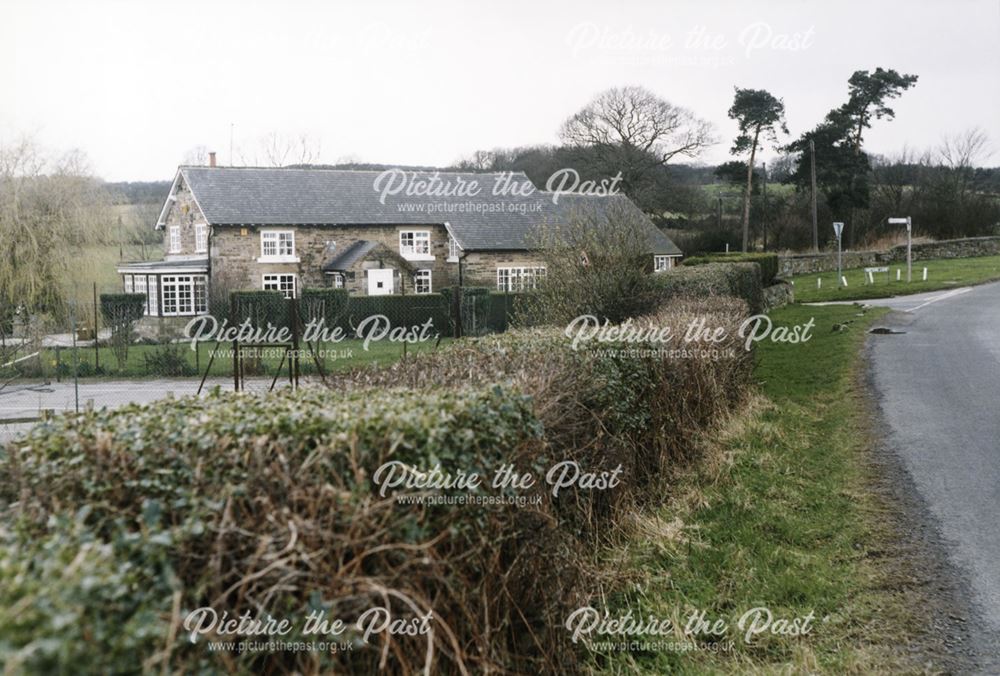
380	282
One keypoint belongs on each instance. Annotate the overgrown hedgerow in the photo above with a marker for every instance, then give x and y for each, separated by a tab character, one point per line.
266	503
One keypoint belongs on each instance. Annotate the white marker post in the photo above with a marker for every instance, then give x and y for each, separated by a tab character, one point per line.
838	230
909	243
925	274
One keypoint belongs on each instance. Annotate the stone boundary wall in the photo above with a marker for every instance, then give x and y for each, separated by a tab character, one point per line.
969	247
778	295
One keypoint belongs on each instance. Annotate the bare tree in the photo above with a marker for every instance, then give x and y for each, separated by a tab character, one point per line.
631	131
196	156
634	118
276	149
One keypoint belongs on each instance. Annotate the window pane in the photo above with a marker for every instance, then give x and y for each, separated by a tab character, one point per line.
153	300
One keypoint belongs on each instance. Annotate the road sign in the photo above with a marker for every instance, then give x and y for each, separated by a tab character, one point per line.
838	228
909	243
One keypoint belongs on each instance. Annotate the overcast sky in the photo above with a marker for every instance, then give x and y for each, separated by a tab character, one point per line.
137	84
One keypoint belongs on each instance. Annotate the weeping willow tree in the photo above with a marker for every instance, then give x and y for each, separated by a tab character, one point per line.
49	211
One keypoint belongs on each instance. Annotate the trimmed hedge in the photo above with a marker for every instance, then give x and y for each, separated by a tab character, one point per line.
768	262
484	311
260	307
740	280
119	308
412	310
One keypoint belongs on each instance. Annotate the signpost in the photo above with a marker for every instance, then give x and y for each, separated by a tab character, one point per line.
909	243
838	230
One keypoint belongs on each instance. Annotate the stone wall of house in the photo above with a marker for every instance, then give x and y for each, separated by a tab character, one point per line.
183	212
969	247
479	268
235	250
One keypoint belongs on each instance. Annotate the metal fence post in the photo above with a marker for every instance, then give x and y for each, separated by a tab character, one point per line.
76	361
97	348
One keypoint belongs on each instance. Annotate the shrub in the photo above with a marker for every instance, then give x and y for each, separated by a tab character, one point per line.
121	311
169	360
768	262
596	263
740	280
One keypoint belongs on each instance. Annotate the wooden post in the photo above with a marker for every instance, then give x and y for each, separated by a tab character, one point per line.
812	181
456	310
293	311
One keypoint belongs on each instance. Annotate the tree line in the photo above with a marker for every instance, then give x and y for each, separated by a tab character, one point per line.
831	176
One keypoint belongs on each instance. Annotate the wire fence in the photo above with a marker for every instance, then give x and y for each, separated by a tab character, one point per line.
257	341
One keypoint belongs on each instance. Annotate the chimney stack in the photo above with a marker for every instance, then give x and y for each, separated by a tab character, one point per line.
211	159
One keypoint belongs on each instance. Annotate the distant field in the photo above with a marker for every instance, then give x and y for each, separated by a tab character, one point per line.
941	274
97	264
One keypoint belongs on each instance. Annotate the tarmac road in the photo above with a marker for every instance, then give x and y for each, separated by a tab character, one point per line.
938	387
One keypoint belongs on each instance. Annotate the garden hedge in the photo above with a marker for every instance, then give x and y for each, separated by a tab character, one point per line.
740	280
115	524
768	262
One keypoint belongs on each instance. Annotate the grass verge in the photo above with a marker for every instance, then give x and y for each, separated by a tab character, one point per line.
777	515
941	274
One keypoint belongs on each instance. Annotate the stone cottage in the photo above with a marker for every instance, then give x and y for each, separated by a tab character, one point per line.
371	232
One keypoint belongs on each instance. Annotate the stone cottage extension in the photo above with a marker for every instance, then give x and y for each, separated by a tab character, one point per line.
229	228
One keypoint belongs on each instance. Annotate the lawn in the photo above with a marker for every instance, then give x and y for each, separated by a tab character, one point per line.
179	360
941	274
776	514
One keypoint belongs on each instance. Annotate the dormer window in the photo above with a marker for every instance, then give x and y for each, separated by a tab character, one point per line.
453	249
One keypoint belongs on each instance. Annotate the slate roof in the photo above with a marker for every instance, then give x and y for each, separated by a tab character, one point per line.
349	256
482	222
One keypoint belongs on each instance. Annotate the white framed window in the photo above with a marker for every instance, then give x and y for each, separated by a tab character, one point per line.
338	280
422	281
277	246
200	238
285	283
661	263
139	286
175	239
415	244
519	278
154	300
200	294
128	283
184	294
453	249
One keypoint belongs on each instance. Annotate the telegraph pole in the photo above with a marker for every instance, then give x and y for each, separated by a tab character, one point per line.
812	179
763	219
